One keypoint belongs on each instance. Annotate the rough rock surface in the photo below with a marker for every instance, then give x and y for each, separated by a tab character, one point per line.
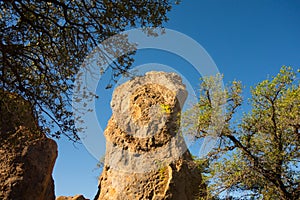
76	197
146	156
27	156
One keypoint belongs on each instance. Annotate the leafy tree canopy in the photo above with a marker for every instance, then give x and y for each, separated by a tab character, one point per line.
257	157
43	43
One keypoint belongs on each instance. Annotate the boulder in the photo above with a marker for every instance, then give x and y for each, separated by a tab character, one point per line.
76	197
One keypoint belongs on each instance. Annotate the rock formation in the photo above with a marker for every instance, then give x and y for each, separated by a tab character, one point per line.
27	156
146	156
76	197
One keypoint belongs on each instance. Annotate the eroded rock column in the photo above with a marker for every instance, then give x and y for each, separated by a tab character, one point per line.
146	156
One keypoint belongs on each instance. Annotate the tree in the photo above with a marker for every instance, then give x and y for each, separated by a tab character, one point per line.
258	156
43	44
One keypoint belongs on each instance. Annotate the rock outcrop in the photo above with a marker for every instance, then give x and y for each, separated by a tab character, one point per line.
27	156
146	156
76	197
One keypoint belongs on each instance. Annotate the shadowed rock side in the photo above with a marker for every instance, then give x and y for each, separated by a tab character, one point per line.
146	156
27	157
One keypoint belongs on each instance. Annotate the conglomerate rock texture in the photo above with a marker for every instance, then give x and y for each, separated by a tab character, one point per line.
146	156
27	156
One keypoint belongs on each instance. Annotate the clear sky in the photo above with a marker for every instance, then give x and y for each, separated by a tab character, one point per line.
248	40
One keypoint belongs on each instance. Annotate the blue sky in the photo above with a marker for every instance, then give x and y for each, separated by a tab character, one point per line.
248	40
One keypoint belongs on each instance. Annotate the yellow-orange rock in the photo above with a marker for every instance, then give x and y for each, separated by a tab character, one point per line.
146	156
76	197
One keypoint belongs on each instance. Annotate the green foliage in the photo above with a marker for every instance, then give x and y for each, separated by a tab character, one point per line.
205	116
259	157
43	44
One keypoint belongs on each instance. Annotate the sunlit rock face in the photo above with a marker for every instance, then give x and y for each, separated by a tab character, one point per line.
146	156
27	157
76	197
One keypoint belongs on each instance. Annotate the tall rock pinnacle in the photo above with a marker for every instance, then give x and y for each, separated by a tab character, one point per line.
146	156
